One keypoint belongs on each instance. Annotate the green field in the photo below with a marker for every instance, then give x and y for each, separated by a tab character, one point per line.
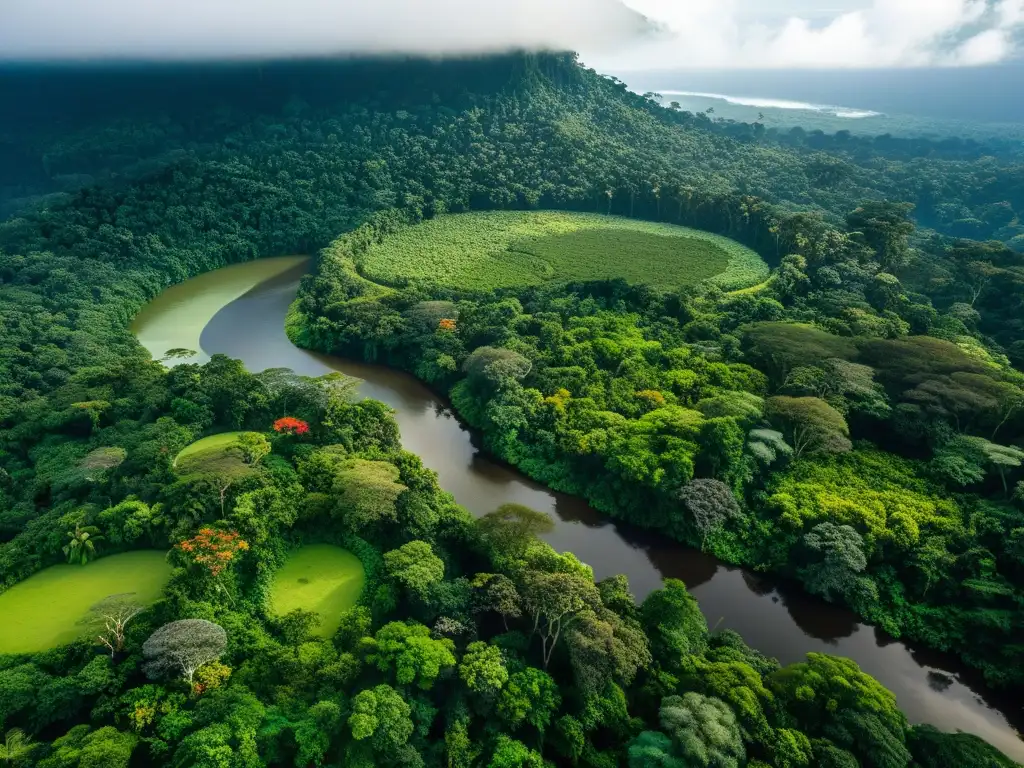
216	454
504	249
48	609
321	578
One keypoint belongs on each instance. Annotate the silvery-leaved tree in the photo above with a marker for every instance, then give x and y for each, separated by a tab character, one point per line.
182	647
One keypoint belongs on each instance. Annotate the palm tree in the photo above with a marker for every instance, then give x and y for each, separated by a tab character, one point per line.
82	545
15	746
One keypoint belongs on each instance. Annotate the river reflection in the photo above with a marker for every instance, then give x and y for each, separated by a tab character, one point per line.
777	618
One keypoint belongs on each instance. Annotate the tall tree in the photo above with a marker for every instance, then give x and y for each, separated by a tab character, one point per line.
711	505
182	647
810	425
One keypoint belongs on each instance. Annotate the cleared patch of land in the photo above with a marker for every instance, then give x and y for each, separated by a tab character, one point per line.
50	608
502	249
321	578
217	454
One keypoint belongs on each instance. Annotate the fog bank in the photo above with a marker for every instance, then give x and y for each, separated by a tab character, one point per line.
35	30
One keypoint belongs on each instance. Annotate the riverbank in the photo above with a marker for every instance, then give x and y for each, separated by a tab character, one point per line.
778	619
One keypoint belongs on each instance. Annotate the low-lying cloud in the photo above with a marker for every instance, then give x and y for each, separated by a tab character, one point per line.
35	30
749	34
612	34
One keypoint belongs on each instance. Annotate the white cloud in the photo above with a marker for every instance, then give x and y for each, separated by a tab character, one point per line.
189	29
701	33
862	33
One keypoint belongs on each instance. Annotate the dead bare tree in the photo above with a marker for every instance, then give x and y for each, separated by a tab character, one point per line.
114	613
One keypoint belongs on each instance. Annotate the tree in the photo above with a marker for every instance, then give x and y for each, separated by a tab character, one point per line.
703	730
959	461
101	460
461	750
254	447
831	697
262	513
674	624
289	425
810	425
106	747
115	613
885	227
932	748
81	547
415	566
483	670
777	348
767	445
408	650
509	753
16	747
841	560
497	592
182	647
511	528
745	407
791	748
569	738
530	696
728	676
885	291
380	716
313	733
844	385
1005	458
367	492
653	749
552	599
603	647
710	503
492	369
213	551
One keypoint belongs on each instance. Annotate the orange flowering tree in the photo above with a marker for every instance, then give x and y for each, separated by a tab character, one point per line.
446	324
213	550
289	425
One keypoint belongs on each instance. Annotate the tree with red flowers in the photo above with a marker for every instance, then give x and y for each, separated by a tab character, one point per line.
213	551
289	425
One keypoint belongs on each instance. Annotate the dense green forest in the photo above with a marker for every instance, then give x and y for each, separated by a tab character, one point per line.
854	423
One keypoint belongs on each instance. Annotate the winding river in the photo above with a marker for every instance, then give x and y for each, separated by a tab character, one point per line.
240	310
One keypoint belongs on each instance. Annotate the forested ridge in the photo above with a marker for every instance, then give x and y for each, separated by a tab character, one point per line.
854	423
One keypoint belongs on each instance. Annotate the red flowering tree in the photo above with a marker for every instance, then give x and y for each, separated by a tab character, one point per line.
289	425
213	551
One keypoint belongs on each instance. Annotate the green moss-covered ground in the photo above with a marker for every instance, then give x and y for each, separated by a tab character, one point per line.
321	578
51	607
217	454
504	249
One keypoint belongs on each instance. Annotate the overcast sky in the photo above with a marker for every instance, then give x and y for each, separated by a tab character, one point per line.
697	33
827	33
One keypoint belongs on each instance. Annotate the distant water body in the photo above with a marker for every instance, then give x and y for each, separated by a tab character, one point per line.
765	103
969	100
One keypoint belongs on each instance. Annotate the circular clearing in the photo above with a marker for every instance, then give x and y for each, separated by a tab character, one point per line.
502	249
321	578
217	454
52	607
